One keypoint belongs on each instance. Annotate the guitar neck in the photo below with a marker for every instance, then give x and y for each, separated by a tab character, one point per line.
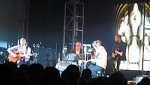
28	55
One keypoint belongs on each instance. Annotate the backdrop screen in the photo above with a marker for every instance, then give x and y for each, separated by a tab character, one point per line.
130	19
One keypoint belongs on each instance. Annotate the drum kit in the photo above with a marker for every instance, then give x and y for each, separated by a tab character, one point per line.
74	59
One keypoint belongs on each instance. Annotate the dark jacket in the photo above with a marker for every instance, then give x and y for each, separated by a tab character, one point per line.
120	47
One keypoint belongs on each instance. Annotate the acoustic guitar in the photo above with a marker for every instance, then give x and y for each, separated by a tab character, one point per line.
117	52
120	53
19	55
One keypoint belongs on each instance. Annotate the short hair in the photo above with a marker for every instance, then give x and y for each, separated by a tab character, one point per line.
99	41
118	36
23	39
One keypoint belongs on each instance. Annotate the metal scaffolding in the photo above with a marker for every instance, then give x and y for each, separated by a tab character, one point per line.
145	28
73	25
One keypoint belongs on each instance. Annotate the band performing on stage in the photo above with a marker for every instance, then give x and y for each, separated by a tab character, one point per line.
75	42
94	57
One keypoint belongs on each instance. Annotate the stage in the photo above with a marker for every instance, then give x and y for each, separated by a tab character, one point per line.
134	76
131	71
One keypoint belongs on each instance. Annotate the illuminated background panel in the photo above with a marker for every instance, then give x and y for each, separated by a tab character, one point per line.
129	20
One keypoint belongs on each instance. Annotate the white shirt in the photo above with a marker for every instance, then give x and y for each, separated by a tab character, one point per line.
100	57
25	50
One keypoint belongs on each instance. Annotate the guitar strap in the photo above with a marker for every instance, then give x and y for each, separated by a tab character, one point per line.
26	50
25	53
97	55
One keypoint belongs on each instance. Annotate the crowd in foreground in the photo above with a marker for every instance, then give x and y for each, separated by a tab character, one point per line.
35	74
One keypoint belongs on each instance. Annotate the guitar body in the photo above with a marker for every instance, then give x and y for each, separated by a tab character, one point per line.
15	59
117	52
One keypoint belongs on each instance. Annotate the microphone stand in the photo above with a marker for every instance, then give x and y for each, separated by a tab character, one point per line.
85	53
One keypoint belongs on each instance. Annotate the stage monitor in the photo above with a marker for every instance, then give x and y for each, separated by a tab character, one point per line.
139	78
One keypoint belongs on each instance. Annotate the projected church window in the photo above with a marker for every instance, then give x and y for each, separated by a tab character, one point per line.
129	24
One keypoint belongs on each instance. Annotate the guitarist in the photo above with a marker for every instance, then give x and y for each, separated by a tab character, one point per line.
118	53
99	61
20	53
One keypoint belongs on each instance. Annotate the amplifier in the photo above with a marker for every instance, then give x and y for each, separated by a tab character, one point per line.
140	77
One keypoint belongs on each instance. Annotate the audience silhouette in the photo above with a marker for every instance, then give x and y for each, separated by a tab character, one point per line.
36	74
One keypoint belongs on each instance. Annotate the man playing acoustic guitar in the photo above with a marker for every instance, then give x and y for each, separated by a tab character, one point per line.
98	61
118	53
19	54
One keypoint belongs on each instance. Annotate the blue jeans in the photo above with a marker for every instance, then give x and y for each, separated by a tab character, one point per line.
83	66
94	69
